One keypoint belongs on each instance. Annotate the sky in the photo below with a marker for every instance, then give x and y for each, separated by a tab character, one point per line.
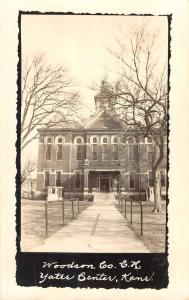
80	44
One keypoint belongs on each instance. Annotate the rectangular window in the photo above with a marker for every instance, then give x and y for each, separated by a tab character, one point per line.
150	153
78	181
79	152
150	178
59	152
48	152
104	152
131	181
94	152
115	152
163	178
133	152
47	178
58	178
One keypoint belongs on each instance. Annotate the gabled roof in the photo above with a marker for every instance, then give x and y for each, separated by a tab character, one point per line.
104	120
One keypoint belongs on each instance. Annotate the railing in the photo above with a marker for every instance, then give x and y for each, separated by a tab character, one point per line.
75	210
125	206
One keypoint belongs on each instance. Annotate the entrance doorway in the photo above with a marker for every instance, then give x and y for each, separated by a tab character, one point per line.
104	185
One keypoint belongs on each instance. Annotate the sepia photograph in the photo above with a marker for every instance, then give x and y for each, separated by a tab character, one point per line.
94	133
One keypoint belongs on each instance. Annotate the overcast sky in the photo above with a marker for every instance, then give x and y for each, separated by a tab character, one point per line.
80	43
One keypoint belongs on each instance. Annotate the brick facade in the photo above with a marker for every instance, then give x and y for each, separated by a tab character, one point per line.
120	160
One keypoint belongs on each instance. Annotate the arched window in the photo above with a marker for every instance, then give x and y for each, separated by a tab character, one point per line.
94	139
105	139
59	148
142	140
130	140
94	148
78	141
115	140
115	147
149	140
60	141
124	140
105	155
48	141
79	148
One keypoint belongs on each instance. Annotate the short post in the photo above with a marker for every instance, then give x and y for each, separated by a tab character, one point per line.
125	208
62	212
118	204
141	217
121	204
72	209
78	206
46	219
131	211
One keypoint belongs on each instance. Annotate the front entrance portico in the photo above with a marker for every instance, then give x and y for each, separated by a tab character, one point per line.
103	181
104	184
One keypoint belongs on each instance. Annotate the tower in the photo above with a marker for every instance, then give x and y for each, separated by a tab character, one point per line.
105	99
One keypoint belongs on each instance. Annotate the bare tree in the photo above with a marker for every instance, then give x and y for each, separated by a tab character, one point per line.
27	170
48	98
140	94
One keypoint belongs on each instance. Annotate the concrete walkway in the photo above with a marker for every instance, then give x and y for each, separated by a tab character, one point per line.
100	229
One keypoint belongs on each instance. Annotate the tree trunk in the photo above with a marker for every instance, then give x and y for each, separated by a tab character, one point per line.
157	192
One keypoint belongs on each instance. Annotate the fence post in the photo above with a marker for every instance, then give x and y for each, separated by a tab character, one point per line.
141	215
131	211
72	209
78	206
121	205
125	208
62	212
46	219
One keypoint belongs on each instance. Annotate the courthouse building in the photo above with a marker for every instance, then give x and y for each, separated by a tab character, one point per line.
96	155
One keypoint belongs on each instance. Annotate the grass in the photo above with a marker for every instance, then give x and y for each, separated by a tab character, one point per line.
33	231
154	225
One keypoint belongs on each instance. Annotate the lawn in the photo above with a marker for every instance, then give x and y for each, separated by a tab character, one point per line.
33	230
154	225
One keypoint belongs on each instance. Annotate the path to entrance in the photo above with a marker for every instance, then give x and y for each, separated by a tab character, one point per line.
100	228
